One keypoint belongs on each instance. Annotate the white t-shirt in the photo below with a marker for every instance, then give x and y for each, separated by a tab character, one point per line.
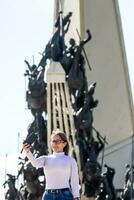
60	170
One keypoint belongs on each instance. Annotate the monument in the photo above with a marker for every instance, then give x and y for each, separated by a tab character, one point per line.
85	64
114	116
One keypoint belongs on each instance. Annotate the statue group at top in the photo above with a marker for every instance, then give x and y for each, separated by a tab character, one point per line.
73	59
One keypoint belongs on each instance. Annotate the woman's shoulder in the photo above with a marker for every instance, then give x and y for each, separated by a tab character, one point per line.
72	159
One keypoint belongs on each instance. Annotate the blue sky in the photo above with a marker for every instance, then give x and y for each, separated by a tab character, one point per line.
26	27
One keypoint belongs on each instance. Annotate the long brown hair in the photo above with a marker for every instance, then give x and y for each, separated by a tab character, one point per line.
63	138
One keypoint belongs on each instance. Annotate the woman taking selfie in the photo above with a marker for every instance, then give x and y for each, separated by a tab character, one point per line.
60	169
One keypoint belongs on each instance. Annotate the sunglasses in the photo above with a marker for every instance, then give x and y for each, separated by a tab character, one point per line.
57	141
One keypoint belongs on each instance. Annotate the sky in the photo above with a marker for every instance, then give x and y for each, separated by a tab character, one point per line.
127	16
25	28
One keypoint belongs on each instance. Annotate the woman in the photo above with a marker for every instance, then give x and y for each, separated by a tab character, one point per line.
61	171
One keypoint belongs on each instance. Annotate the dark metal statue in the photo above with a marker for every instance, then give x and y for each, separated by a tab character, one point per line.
36	93
91	166
73	59
32	70
106	190
128	191
84	116
67	58
12	192
91	178
32	188
76	78
55	47
37	134
95	147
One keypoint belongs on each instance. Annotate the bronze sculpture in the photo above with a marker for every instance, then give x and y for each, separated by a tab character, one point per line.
83	103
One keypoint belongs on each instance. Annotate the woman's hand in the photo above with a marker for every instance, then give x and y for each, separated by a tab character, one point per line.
26	147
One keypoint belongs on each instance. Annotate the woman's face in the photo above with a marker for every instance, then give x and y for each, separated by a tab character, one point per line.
57	144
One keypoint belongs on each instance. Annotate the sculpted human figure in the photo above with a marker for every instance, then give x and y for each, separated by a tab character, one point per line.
32	188
12	192
76	76
79	58
84	115
127	174
128	192
107	189
32	72
90	149
55	47
96	147
36	93
67	58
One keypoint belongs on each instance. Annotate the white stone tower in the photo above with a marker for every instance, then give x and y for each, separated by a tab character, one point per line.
114	116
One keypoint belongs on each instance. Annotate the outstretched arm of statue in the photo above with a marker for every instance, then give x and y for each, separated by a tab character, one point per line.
89	36
27	63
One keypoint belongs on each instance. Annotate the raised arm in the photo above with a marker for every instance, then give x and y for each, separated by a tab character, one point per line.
89	36
36	162
29	66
